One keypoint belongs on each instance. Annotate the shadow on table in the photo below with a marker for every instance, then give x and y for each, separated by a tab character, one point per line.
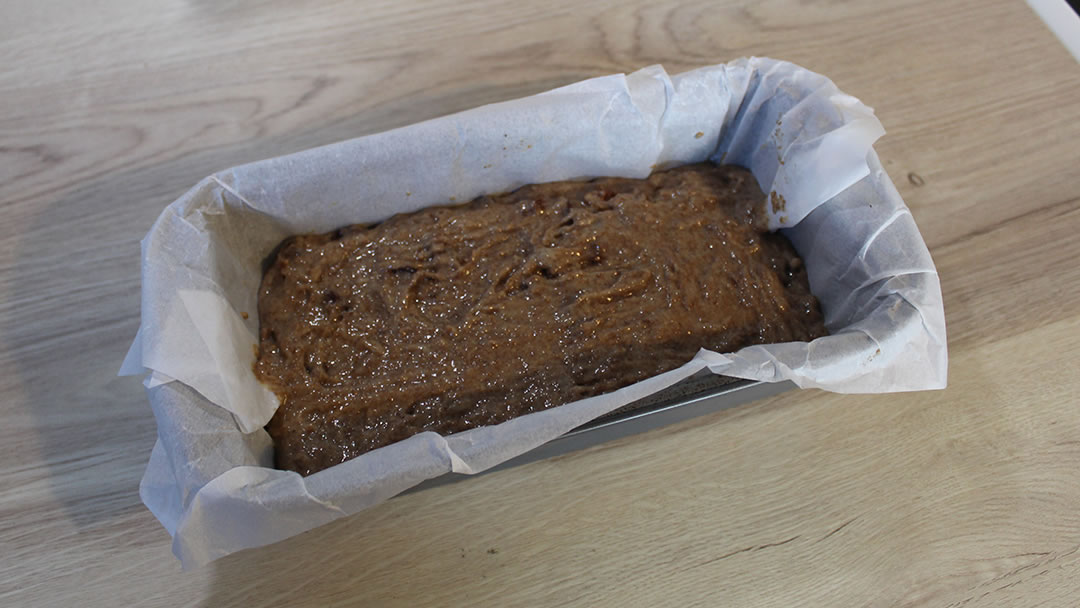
376	558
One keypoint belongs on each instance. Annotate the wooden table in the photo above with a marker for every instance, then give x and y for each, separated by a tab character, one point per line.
965	497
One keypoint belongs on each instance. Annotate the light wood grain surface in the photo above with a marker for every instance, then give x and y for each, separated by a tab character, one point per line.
967	497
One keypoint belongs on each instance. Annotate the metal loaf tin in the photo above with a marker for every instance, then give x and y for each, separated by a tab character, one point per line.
700	394
210	479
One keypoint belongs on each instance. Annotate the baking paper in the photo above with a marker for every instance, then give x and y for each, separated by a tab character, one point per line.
210	480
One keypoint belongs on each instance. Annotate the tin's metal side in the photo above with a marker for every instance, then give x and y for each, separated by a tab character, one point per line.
639	419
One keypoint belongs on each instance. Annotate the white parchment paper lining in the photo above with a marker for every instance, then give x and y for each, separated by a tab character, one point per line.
809	145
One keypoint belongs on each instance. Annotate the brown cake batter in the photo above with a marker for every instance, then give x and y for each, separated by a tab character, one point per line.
456	317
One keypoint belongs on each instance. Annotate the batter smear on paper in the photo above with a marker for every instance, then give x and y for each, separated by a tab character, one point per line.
452	318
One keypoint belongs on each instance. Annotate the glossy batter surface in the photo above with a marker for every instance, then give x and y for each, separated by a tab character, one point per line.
456	317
